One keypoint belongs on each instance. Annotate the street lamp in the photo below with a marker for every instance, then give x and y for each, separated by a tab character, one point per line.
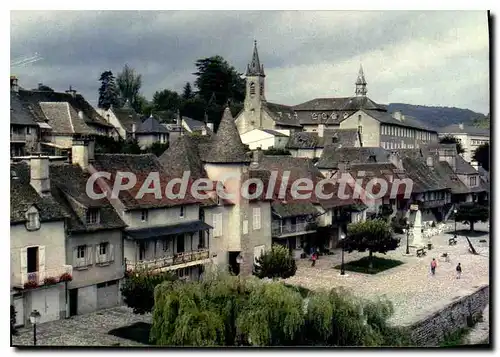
34	318
407	231
455	214
342	268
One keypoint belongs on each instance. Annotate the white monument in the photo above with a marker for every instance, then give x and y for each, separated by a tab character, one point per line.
418	241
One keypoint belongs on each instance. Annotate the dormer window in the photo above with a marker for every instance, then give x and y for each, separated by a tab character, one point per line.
144	215
92	216
32	219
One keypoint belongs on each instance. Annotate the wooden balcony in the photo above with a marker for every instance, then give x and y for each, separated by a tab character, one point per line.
279	230
17	137
40	278
176	261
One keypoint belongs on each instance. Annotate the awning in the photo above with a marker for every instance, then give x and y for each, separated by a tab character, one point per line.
44	126
158	231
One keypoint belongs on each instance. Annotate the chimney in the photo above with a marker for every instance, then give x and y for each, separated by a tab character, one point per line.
14	86
210	126
461	126
256	156
397	115
133	130
80	114
321	130
430	162
204	130
80	152
71	91
396	160
40	181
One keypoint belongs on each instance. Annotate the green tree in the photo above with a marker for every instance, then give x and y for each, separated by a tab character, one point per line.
277	151
449	139
482	156
166	101
275	263
482	121
187	92
374	236
129	84
108	93
138	289
472	212
142	105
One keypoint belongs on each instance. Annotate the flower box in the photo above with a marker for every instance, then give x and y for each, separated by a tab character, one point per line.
49	281
65	277
31	284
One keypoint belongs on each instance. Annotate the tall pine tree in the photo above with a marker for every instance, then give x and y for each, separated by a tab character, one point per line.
108	93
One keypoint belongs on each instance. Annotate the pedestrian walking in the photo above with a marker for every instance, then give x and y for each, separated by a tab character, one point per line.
314	257
433	266
459	270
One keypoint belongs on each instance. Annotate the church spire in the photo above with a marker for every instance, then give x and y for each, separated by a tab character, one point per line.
254	67
361	83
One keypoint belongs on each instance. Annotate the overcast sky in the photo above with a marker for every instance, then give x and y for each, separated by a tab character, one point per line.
430	58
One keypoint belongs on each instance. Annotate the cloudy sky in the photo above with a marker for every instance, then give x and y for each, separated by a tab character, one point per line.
430	58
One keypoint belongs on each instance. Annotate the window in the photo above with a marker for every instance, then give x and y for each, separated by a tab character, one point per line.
256	218
252	88
261	88
217	224
360	129
92	216
473	181
245	226
359	119
164	245
32	219
144	215
28	130
181	214
81	251
103	248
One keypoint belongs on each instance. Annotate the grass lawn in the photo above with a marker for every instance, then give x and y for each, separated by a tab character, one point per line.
138	332
379	265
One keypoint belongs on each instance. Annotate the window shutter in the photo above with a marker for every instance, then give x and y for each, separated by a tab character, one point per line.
41	258
88	255
24	260
215	230
111	253
75	256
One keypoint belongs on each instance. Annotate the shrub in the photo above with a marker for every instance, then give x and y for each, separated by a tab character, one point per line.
275	263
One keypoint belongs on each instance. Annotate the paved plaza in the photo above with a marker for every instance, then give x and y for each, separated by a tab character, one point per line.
409	286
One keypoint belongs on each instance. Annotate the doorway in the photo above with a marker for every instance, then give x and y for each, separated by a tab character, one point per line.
73	302
180	243
234	267
142	251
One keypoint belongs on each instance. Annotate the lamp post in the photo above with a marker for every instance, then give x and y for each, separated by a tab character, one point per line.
34	318
407	231
342	268
455	216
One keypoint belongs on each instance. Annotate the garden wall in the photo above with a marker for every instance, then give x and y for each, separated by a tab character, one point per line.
459	313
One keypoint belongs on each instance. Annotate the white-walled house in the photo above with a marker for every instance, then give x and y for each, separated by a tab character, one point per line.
37	245
470	137
265	138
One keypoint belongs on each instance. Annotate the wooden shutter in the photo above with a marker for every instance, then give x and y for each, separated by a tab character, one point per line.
111	253
220	224
24	260
75	256
97	252
215	230
41	258
88	255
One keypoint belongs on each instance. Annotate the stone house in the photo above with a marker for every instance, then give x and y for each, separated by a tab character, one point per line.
469	136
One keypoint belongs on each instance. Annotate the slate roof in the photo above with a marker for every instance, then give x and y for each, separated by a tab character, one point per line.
339	104
19	112
226	146
463	167
77	102
311	140
164	230
330	117
184	154
196	125
23	196
281	114
127	117
293	209
68	187
449	178
141	166
424	178
467	129
150	126
332	155
299	167
386	118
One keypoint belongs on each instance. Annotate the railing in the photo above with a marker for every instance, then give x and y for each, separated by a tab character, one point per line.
17	137
163	262
433	203
43	277
278	230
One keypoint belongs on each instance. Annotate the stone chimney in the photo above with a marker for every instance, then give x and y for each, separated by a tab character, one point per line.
14	86
321	130
430	161
397	115
82	151
461	126
396	160
40	181
210	126
80	114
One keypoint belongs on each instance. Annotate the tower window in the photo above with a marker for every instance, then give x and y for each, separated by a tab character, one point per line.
252	88
261	88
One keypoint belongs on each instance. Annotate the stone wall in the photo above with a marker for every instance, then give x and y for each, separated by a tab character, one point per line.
459	313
